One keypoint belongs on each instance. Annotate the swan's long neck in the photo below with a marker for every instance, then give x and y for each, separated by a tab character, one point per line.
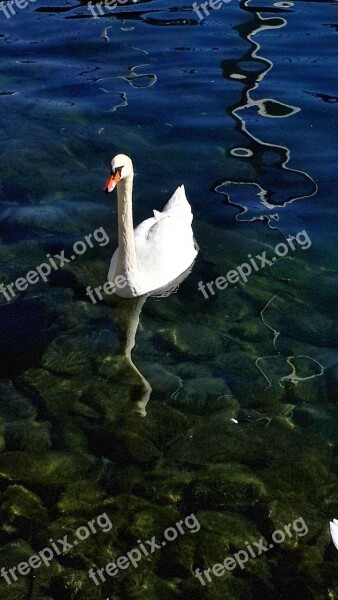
126	262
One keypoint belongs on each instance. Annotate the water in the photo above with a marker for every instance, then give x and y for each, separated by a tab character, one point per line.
226	407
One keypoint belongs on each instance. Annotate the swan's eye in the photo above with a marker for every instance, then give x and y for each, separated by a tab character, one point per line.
116	170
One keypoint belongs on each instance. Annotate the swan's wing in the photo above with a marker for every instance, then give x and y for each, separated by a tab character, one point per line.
179	205
165	250
141	231
164	243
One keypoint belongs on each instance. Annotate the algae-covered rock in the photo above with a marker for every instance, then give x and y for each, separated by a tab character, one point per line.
313	418
86	547
164	382
227	534
80	497
221	536
28	435
215	439
131	446
165	423
202	394
146	585
13	405
191	370
51	468
67	355
224	488
10	556
242	376
14	552
187	341
164	486
73	583
145	523
75	353
332	383
222	587
303	466
22	510
17	590
178	557
59	393
249	330
307	390
86	312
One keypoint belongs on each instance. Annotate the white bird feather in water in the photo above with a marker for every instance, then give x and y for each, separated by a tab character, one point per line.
334	532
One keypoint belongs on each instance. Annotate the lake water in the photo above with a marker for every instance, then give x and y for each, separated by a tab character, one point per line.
227	408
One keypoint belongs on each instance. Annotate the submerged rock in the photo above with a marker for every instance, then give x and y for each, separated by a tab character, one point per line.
49	469
28	435
186	341
11	555
203	394
227	488
22	510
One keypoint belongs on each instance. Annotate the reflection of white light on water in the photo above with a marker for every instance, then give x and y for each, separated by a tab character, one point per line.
283	4
237	76
241	152
281	110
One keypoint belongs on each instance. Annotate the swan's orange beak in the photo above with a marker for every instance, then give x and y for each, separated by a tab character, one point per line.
112	181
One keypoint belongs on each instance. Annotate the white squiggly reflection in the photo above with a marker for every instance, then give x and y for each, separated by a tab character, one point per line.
271	161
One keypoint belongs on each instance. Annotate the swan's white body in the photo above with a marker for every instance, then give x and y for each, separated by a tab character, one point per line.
334	532
158	250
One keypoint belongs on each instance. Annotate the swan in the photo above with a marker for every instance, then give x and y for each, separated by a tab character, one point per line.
334	532
158	250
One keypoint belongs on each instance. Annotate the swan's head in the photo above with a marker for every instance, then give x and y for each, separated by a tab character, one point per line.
121	167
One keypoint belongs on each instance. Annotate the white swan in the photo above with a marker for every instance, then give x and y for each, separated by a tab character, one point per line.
334	532
158	250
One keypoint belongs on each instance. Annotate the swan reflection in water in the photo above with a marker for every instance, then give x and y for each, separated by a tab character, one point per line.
127	318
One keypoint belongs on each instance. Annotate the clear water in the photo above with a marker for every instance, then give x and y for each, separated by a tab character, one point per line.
242	109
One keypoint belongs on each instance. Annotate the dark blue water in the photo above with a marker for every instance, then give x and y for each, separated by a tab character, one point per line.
231	410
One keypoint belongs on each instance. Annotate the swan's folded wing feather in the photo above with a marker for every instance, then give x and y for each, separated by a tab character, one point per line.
141	231
179	205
